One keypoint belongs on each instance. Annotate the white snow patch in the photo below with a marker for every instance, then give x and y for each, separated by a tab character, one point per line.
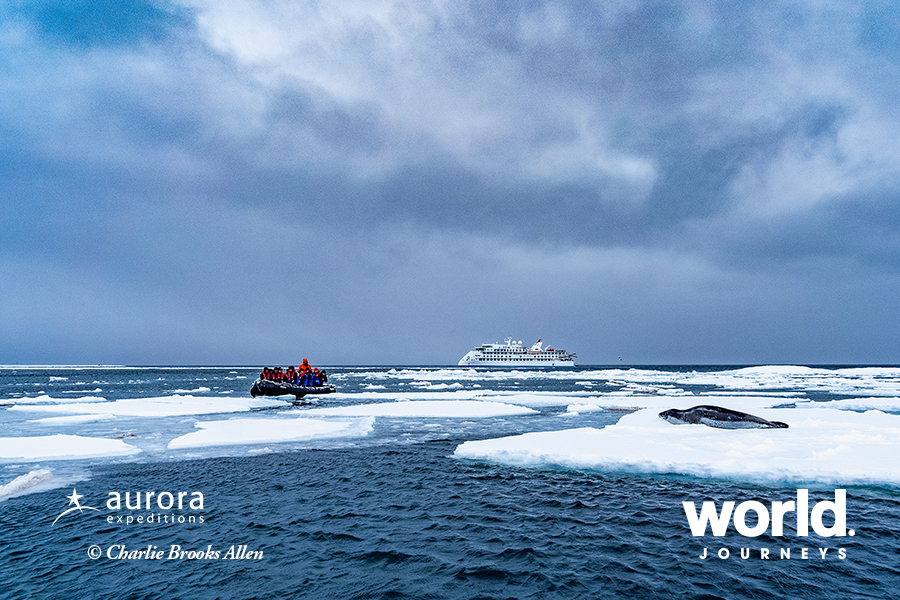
62	447
425	408
740	402
583	408
166	406
74	419
445	386
25	482
268	430
827	445
858	404
45	399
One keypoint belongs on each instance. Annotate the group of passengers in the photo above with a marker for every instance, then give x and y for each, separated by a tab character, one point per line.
303	375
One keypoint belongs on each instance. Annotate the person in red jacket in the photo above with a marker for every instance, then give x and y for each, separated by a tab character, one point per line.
305	373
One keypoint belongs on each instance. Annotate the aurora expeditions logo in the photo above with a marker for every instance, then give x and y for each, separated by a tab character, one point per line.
73	499
148	508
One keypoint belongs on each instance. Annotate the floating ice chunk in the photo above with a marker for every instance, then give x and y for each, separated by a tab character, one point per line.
873	388
532	399
779	370
827	445
858	404
61	447
74	419
24	482
425	408
268	430
445	386
583	408
377	396
754	393
45	399
613	401
166	406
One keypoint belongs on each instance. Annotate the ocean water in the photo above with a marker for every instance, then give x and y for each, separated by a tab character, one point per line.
384	507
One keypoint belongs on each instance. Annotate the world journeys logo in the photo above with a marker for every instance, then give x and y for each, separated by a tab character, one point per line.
143	508
772	519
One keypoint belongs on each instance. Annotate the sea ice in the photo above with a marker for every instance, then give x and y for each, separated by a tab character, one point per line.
740	402
74	419
858	404
166	406
826	445
269	430
45	399
61	447
425	408
25	482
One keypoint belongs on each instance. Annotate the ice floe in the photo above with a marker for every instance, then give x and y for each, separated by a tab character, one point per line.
269	430
532	399
425	408
61	447
868	381
199	390
46	399
74	419
857	404
826	445
24	483
165	406
740	402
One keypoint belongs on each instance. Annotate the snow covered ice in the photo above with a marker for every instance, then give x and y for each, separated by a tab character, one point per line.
426	408
825	445
25	482
61	447
154	407
251	431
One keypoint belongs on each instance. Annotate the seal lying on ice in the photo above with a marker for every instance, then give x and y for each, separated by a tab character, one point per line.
716	416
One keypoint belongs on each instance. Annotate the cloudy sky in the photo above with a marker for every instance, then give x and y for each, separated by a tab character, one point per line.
392	182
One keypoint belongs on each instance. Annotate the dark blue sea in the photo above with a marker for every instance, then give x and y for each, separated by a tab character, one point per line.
390	512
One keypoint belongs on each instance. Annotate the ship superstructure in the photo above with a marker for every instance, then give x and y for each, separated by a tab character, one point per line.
514	354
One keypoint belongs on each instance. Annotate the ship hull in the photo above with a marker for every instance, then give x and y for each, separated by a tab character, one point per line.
525	364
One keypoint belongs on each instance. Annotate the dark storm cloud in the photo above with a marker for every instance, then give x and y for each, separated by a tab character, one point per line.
668	181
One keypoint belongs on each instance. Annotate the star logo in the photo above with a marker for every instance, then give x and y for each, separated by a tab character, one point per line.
73	499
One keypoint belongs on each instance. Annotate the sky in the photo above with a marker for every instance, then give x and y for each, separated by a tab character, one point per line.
380	182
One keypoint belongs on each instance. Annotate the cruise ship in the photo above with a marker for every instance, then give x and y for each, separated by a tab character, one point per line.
514	354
